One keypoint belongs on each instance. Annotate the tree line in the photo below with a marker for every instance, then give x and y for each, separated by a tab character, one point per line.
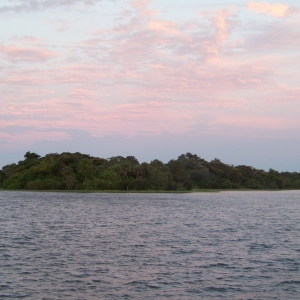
76	171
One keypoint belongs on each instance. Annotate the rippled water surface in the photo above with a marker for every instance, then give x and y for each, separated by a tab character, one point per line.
229	245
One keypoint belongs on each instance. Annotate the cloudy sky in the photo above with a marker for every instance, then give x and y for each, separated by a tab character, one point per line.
152	78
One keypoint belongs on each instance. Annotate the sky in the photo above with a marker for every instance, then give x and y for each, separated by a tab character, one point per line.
153	79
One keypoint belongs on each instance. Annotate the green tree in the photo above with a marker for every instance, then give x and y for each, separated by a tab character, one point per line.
296	184
159	177
69	177
2	177
180	175
107	180
31	155
86	169
252	184
226	184
8	170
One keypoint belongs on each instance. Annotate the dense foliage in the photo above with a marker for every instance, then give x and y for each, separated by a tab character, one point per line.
76	171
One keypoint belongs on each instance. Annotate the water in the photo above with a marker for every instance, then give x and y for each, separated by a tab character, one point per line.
229	245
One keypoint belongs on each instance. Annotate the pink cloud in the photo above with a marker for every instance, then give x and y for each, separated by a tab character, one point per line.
140	4
141	8
97	119
222	23
167	43
76	111
24	76
277	10
148	75
164	27
13	52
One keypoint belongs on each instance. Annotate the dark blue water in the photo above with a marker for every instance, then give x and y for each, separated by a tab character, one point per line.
229	245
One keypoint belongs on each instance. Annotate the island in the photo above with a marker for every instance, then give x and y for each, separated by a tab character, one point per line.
76	171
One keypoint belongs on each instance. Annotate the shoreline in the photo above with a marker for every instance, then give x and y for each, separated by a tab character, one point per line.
147	191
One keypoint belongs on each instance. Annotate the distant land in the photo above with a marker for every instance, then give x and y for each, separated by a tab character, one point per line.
76	171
